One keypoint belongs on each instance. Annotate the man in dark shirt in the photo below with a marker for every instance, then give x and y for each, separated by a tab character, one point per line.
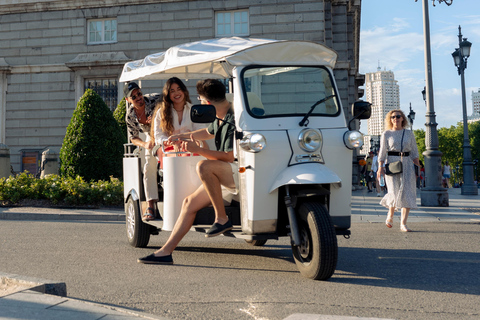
215	172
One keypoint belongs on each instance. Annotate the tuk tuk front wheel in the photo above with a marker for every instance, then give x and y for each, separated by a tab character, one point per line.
138	233
316	256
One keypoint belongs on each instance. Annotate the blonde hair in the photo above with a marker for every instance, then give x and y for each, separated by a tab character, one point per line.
388	120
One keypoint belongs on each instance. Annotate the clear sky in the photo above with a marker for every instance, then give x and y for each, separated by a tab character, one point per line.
392	37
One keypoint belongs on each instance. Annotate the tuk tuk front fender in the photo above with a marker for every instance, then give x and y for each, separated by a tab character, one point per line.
307	173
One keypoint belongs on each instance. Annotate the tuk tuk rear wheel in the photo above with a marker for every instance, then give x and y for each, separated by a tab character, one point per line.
138	233
316	256
256	243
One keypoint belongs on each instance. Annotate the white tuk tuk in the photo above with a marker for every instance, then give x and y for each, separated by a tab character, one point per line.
293	146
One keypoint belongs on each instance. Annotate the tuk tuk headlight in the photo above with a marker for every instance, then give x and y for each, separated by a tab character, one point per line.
253	142
353	139
310	140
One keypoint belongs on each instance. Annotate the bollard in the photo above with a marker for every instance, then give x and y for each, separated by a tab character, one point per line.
4	161
49	163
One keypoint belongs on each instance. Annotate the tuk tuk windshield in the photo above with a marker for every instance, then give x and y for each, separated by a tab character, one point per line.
289	91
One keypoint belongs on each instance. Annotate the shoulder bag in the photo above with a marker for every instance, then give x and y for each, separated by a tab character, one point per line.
395	167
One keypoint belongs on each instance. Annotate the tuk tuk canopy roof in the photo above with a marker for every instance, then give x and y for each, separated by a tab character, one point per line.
215	58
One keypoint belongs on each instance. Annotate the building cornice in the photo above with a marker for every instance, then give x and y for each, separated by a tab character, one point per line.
100	59
23	6
4	66
82	61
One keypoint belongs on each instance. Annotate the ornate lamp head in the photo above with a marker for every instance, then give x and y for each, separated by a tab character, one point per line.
447	2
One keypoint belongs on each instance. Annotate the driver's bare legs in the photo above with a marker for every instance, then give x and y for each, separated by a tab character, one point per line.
191	204
214	174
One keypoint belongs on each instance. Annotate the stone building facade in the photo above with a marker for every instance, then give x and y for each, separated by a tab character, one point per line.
53	50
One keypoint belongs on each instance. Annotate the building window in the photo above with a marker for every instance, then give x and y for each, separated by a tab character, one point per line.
102	31
106	88
232	23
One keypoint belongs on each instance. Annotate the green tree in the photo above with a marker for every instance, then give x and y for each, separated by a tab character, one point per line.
93	145
119	115
474	134
420	139
450	141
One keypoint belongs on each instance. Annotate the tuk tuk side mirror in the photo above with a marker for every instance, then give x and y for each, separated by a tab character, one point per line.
203	113
360	110
206	113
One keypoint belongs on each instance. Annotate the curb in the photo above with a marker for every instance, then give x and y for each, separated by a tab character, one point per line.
46	213
35	284
59	290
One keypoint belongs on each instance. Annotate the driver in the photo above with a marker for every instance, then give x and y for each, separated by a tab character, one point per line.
216	171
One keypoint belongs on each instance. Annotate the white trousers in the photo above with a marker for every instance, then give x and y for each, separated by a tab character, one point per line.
150	176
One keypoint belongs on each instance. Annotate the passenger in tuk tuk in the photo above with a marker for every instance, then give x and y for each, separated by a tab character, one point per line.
138	119
172	116
216	171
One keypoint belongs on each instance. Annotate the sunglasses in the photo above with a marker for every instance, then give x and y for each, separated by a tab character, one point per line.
396	117
139	94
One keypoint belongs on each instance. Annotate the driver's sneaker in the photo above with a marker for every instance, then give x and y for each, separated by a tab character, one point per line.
217	229
152	259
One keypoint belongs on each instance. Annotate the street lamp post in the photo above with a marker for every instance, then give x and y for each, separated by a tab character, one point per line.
458	174
460	57
433	195
475	162
411	115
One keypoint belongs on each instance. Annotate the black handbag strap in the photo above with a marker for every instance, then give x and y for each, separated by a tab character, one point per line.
401	145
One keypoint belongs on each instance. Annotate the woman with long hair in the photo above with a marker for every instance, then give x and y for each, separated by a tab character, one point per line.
172	115
396	144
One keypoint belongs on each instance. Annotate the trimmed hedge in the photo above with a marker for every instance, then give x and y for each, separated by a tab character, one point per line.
119	115
61	190
93	144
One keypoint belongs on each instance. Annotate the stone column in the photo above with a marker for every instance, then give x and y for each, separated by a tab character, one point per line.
49	163
4	161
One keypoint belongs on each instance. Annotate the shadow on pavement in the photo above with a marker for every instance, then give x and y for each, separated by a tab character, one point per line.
429	270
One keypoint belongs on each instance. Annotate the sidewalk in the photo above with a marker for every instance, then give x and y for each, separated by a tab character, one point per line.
366	208
41	213
42	299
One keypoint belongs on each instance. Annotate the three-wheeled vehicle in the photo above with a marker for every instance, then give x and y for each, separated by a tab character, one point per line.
293	146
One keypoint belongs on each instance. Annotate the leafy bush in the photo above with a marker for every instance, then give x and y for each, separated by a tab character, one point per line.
119	115
61	190
93	145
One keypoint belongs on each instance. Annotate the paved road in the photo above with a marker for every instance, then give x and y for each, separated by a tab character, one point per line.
429	274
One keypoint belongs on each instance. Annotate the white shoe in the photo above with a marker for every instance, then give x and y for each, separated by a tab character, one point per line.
379	195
